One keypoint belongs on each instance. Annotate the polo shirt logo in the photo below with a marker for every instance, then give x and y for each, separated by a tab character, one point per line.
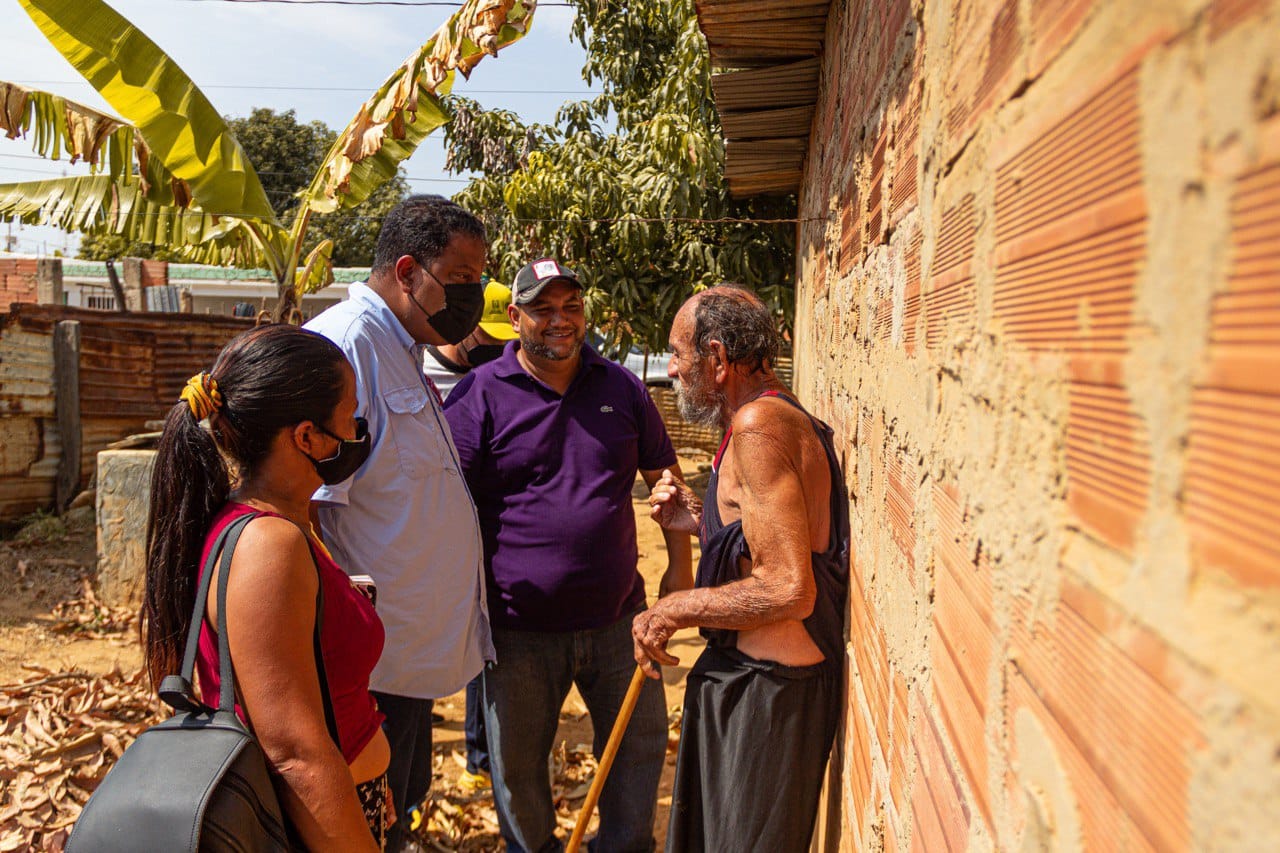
606	409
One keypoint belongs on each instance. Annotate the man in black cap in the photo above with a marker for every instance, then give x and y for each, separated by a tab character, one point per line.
550	436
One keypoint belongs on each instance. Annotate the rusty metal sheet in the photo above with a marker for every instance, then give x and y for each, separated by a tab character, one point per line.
132	367
20	444
26	372
22	495
97	434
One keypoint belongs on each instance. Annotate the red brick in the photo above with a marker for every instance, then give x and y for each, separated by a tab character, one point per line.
900	745
964	641
1226	15
1233	467
850	228
906	150
1004	43
937	799
949	303
155	273
875	193
911	295
1067	264
1053	24
858	761
1126	741
900	505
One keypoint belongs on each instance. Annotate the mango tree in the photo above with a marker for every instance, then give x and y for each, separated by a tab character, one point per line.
626	187
167	170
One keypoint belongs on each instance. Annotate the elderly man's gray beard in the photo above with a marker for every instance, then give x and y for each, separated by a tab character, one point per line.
700	403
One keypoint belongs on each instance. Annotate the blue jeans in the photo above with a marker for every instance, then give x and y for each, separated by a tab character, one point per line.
473	726
408	729
523	693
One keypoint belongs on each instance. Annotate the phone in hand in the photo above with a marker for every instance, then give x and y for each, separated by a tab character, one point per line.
366	587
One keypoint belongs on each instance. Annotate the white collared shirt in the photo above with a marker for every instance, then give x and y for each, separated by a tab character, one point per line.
406	518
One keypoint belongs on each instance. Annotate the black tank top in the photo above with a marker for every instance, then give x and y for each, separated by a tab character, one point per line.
723	544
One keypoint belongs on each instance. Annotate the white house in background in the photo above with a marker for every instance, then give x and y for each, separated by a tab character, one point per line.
213	290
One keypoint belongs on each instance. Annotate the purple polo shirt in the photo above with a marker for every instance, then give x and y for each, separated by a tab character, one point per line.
551	477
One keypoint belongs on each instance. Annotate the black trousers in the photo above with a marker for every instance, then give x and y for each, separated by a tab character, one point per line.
754	745
408	729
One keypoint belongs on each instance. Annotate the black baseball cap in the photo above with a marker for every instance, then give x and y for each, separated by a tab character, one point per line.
537	275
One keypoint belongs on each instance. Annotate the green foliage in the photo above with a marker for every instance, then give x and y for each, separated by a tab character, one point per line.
284	151
100	246
41	527
287	154
647	148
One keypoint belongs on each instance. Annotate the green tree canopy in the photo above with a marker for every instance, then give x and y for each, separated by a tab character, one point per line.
621	186
286	153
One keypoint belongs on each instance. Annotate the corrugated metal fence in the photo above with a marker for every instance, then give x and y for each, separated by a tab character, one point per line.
130	368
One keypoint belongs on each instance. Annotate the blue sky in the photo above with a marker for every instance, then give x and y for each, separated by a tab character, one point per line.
320	60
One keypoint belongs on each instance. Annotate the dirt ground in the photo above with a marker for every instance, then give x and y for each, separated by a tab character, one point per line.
50	561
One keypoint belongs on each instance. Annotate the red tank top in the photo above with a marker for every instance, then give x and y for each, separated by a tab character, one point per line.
351	638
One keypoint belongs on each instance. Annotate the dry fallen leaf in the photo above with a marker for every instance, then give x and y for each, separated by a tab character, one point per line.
60	732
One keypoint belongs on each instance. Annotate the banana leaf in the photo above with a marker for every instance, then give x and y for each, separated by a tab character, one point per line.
317	273
182	129
106	142
98	203
406	108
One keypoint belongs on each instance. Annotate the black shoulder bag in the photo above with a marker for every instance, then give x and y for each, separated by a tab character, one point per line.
198	781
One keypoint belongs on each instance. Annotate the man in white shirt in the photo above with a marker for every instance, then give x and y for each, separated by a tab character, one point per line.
445	365
406	517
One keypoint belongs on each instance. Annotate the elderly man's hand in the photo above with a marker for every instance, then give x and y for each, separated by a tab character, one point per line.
674	505
650	632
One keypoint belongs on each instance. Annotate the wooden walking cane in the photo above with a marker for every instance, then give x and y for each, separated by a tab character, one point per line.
606	760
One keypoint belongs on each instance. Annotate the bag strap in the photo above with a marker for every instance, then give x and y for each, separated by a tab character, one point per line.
176	690
329	719
184	699
227	696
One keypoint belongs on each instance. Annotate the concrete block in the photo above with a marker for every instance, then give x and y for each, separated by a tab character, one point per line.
132	282
49	281
124	491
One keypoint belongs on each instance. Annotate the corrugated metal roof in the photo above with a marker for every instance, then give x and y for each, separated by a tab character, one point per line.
754	33
203	272
769	52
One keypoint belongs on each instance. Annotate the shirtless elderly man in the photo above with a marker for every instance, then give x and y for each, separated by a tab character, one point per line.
763	700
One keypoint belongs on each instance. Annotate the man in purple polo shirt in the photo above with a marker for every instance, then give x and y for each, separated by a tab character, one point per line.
550	437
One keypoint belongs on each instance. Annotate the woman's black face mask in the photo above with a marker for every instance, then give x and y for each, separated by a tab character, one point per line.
463	307
351	454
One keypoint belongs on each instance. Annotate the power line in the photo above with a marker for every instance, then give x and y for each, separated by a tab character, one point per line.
359	3
258	171
600	221
258	88
685	219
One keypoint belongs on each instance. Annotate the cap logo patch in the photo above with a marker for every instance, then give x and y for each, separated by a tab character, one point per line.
545	269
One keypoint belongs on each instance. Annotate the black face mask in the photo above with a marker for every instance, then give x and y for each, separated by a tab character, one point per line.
483	353
463	307
352	453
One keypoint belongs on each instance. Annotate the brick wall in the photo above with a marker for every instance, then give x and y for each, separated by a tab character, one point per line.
1041	307
154	273
17	281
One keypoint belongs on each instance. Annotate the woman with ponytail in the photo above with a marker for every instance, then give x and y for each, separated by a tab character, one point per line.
272	420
